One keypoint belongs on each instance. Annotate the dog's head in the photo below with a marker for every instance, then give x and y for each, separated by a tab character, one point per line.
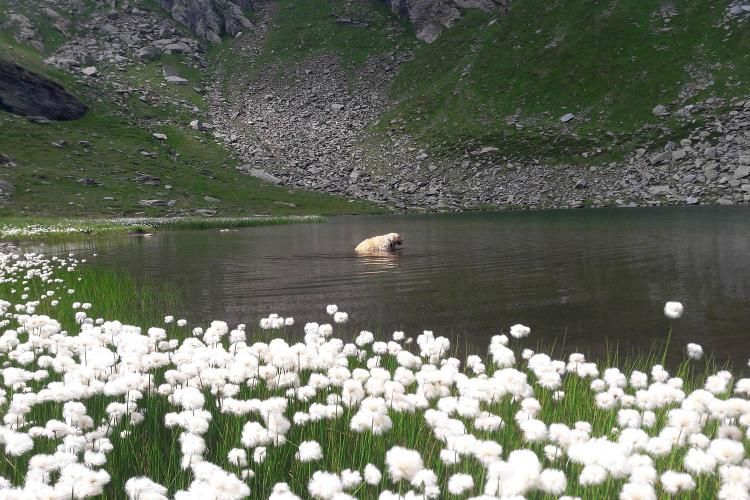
394	239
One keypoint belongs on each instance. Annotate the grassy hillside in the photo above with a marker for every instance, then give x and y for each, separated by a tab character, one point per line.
353	30
506	81
47	178
489	81
608	62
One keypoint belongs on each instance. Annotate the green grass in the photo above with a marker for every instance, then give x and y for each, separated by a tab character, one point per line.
300	29
607	62
51	229
153	450
47	178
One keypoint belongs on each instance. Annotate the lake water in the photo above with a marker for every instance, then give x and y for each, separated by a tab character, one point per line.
582	277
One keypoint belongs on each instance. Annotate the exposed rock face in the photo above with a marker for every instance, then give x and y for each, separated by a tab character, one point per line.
24	30
210	19
430	17
28	94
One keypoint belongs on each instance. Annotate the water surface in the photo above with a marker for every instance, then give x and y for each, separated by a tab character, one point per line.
585	277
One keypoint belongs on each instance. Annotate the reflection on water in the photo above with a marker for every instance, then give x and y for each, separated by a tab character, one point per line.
382	263
584	276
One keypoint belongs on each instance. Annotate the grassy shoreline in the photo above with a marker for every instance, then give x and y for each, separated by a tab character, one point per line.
417	395
36	229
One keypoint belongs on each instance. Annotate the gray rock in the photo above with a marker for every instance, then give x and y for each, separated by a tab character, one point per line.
142	178
582	184
711	175
742	172
177	48
261	174
210	19
175	80
154	203
211	199
660	157
41	120
736	10
692	200
567	117
89	71
160	136
31	95
485	150
678	154
198	125
6	187
148	53
660	110
659	190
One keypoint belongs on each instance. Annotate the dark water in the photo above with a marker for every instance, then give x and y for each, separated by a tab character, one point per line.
586	277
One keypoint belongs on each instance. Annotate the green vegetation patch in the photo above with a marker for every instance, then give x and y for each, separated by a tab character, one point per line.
506	82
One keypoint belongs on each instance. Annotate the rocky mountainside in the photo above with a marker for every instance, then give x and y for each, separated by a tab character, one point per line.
210	19
430	104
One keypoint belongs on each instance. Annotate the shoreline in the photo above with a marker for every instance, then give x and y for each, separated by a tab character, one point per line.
18	230
21	229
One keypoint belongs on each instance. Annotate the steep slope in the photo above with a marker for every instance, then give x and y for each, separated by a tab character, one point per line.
534	104
134	151
562	103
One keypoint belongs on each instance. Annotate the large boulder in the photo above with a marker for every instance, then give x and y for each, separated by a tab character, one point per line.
210	19
29	94
430	17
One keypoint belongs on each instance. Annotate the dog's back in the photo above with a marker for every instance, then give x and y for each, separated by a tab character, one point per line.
376	244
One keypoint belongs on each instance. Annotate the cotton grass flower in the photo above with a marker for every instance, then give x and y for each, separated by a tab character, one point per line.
403	463
340	317
673	310
675	482
325	485
372	475
460	483
309	451
143	488
519	331
278	391
694	351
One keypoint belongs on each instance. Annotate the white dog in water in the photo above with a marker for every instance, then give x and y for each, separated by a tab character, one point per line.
379	244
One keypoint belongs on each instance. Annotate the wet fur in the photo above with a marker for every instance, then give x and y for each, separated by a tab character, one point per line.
379	244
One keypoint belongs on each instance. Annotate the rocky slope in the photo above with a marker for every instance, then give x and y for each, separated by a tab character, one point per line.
141	149
313	127
343	98
431	17
209	19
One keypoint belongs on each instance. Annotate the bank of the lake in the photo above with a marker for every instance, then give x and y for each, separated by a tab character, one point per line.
50	229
